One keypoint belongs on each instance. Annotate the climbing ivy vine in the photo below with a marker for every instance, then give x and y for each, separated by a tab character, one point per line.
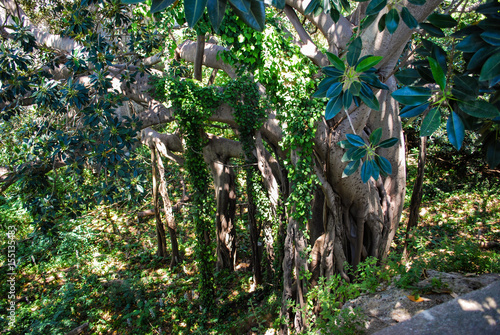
194	105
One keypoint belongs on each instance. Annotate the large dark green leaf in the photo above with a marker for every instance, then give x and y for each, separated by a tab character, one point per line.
442	20
252	12
333	107
392	20
417	2
351	168
280	4
375	136
324	86
412	111
334	90
368	63
311	7
480	57
456	130
131	2
381	23
354	154
489	8
366	94
355	88
411	95
388	143
431	122
193	10
372	80
384	165
353	51
471	43
216	10
347	99
492	37
437	73
367	21
407	76
479	108
432	29
336	61
408	19
332	71
491	68
159	5
375	6
368	170
465	88
493	152
355	140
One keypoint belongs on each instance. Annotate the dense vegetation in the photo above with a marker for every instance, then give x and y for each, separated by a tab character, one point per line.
170	169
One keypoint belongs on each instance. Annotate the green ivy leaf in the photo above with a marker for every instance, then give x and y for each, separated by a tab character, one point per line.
431	122
132	2
412	95
479	109
456	130
368	63
437	73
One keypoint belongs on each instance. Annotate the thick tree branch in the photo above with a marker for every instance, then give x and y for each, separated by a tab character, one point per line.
307	46
187	51
337	34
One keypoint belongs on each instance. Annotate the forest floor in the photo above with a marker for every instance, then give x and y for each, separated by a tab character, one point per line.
102	269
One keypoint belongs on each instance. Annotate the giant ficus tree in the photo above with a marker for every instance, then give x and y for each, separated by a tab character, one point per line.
307	104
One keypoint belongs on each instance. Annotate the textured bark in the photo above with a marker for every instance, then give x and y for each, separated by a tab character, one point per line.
416	197
160	229
198	61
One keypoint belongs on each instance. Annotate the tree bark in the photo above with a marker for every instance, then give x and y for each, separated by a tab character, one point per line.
416	197
160	229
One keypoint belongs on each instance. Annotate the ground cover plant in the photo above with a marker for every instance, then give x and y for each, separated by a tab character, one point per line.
226	167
